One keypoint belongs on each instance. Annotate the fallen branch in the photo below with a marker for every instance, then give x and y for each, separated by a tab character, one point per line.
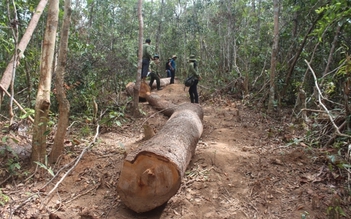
324	107
75	164
84	193
77	161
19	105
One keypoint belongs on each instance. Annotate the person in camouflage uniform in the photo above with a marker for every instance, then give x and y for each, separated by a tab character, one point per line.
155	72
192	72
147	55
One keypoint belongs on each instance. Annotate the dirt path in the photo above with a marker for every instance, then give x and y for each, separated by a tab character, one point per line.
242	169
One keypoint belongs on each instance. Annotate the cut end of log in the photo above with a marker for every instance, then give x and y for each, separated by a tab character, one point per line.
148	182
145	89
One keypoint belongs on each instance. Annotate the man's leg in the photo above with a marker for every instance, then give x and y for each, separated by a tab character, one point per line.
169	73
172	76
145	68
158	83
196	95
151	81
191	94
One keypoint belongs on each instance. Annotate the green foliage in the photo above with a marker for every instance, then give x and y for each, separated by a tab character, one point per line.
336	11
45	166
85	131
12	161
335	212
29	112
345	66
113	118
295	141
3	198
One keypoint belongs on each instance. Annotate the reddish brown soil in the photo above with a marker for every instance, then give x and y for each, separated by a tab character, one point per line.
244	167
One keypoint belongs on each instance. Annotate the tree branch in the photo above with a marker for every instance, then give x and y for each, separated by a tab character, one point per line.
321	103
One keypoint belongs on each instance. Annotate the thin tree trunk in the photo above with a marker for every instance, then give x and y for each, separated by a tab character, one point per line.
274	56
42	104
7	76
140	57
159	29
297	55
331	52
14	25
64	106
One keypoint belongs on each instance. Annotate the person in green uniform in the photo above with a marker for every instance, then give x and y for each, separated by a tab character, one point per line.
147	54
192	71
155	72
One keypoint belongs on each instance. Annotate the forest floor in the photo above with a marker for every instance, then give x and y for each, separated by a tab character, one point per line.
246	165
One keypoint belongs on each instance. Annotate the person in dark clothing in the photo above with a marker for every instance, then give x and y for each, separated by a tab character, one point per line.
192	71
168	68
147	54
154	72
172	66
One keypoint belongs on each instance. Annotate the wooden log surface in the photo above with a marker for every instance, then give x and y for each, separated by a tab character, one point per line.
145	88
143	91
163	82
165	107
152	174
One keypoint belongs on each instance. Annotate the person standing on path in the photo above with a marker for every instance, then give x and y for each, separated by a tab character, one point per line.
168	68
172	66
155	72
192	72
147	54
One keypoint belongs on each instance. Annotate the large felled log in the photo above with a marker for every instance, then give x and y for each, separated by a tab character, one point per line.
163	82
152	174
165	107
145	88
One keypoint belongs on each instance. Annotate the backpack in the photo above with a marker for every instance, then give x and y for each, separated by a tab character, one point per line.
189	81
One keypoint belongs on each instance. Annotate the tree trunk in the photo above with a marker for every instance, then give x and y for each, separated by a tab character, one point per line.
140	58
332	49
274	56
299	51
64	106
14	66
152	174
159	27
42	104
6	77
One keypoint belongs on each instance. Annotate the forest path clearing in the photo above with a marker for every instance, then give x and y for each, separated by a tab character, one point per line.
241	169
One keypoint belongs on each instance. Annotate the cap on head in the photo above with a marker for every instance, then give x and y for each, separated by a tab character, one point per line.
156	56
174	56
192	58
147	41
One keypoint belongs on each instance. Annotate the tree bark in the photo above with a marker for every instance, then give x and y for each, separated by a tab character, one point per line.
64	106
332	49
274	56
7	76
140	58
42	104
152	174
15	37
